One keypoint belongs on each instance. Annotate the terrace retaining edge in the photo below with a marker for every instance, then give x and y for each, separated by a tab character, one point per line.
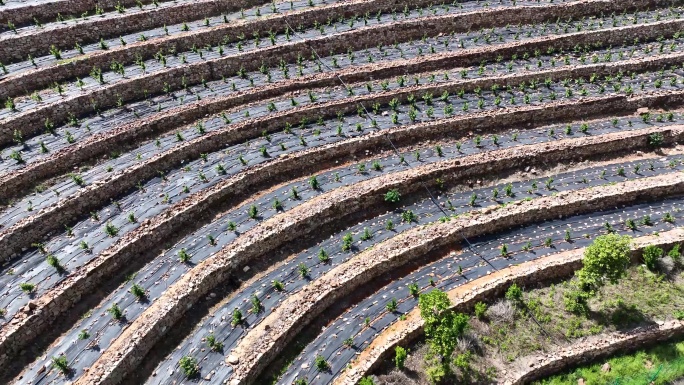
38	42
130	347
267	339
22	331
23	233
463	299
15	181
15	85
30	122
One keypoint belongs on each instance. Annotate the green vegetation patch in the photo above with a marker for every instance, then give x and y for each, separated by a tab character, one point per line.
660	364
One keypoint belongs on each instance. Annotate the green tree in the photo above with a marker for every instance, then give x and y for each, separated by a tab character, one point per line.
400	357
605	260
651	254
442	326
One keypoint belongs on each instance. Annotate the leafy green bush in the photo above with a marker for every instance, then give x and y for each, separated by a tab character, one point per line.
237	318
115	312
576	301
366	381
62	364
138	291
214	344
679	314
651	254
189	366
656	139
392	305
321	364
437	373
606	259
514	293
27	287
400	357
675	254
414	289
462	361
480	310
442	325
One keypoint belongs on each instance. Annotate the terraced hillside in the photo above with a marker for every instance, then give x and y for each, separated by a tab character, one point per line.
253	192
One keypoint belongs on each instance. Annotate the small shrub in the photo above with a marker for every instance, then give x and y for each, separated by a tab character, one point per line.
414	289
656	139
675	254
321	364
27	288
115	312
514	293
347	242
111	230
83	335
400	357
256	304
237	318
54	262
138	291
408	216
62	364
323	256
253	212
392	196
437	373
214	345
462	361
501	312
576	301
651	254
278	285
189	366
303	270
606	259
183	256
480	310
392	305
679	314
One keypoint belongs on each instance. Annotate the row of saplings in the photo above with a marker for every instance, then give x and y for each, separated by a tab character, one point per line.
605	261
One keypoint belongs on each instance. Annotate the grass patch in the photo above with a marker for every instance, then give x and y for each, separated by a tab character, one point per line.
660	364
506	330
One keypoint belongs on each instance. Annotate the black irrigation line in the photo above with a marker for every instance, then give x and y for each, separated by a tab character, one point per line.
218	322
329	342
386	136
99	324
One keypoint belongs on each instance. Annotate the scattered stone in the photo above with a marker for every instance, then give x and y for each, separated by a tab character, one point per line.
232	359
605	368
